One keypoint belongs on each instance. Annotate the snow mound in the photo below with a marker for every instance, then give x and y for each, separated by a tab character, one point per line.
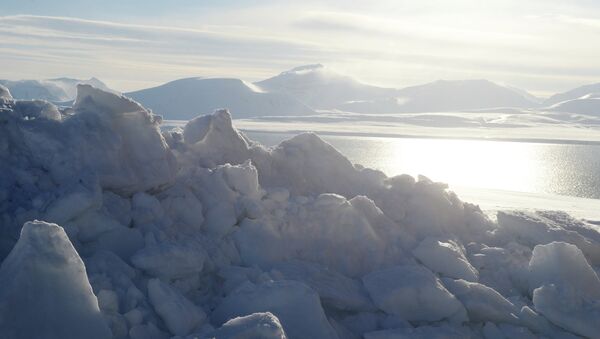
45	290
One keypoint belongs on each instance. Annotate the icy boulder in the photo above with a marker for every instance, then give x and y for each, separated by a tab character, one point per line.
257	325
563	264
446	258
170	260
5	94
306	164
443	331
414	293
36	109
45	291
349	236
179	314
569	309
541	228
482	302
122	141
566	289
212	140
293	303
334	289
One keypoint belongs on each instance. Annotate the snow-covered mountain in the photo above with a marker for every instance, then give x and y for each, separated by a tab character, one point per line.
575	93
186	98
321	88
587	104
581	100
304	89
443	95
55	90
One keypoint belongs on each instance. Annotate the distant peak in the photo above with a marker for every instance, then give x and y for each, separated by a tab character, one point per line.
305	68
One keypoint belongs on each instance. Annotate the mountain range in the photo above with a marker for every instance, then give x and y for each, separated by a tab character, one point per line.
310	89
54	90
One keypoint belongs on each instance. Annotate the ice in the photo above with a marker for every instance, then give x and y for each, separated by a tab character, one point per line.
482	302
563	264
414	293
446	258
293	303
568	309
501	331
212	140
202	232
566	289
346	235
423	332
139	157
170	260
334	289
5	96
45	291
537	228
257	325
179	314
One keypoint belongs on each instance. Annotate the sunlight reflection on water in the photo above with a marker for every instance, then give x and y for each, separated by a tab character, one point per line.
514	166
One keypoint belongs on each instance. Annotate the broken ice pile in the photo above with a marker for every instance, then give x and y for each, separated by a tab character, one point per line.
202	233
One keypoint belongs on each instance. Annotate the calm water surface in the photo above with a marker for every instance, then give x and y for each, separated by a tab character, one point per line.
565	169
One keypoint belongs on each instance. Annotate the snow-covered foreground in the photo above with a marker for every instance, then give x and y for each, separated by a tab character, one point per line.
201	233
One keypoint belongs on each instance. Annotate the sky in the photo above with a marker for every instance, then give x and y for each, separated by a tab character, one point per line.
543	46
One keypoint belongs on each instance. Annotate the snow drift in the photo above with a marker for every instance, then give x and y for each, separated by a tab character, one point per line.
202	233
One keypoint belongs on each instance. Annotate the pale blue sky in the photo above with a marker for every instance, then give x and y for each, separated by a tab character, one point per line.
543	46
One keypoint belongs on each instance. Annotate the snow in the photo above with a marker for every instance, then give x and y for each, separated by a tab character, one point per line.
200	232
